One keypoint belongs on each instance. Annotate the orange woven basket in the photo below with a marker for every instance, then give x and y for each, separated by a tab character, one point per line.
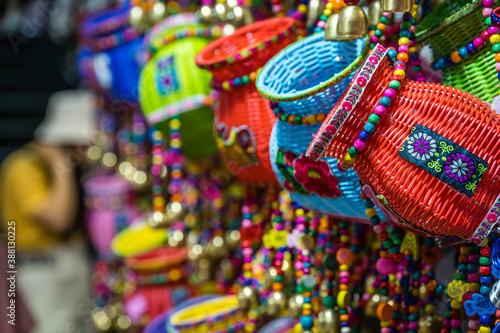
243	119
418	193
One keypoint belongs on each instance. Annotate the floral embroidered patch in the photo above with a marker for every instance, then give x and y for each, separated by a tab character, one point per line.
306	176
165	76
443	159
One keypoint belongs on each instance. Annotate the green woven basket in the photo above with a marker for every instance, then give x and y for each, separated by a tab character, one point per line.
172	84
452	26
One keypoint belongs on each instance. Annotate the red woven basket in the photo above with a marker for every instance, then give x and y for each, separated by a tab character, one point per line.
421	199
243	119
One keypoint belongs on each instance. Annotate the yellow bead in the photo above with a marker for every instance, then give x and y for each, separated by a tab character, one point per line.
485	242
455	57
484	329
328	12
329	5
400	72
464	250
248	275
456	304
384	324
415	292
415	8
226	86
343	267
158	201
494	39
370	212
299	212
403	41
414	13
306	306
302	8
312	119
473	287
348	159
175	123
344	238
412	50
430	309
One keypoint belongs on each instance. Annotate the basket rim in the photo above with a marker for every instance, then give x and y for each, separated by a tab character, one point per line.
440	26
337	78
281	25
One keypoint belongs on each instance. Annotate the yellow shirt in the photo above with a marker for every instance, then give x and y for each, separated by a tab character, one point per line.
24	185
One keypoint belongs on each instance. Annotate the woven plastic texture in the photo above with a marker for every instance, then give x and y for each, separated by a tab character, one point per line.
116	69
415	195
450	27
243	119
305	64
171	84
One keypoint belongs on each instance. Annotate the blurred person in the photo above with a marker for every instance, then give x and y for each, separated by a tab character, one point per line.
39	190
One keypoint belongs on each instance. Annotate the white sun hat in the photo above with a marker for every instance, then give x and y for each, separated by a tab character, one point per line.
69	119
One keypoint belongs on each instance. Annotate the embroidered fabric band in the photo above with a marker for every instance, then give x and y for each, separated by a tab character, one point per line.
487	224
443	159
336	119
180	106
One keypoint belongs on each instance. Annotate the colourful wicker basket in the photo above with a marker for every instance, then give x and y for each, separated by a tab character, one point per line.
243	119
110	53
432	162
109	210
451	26
171	84
307	79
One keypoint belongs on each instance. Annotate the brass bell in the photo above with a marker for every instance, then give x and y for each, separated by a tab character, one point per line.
137	18
331	33
329	321
314	10
352	23
222	9
295	306
248	298
276	303
430	324
396	6
157	13
240	16
374	13
205	15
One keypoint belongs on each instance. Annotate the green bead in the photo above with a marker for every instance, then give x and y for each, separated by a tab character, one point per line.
384	292
384	20
284	117
417	68
343	311
496	48
278	278
488	21
245	79
484	261
298	120
394	84
404	25
373	119
456	330
387	243
353	152
329	301
447	314
378	33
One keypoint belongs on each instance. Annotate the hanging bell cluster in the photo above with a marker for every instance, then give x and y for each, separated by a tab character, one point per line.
396	6
226	13
351	23
374	13
144	17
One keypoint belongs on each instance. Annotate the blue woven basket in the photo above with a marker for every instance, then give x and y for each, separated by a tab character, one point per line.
306	66
114	70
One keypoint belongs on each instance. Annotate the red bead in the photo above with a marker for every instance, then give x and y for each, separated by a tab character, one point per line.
398	257
485	251
455	313
484	270
397	77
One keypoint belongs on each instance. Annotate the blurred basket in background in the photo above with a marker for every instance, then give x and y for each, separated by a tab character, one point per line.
304	82
431	164
110	209
110	53
171	83
451	26
243	119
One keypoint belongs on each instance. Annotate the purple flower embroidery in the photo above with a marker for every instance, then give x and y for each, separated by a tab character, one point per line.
459	167
421	146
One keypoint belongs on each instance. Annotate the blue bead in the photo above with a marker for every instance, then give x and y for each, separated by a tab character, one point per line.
413	317
307	265
404	33
317	29
375	220
485	280
369	128
397	298
412	37
448	61
369	204
463	52
307	322
399	62
485	290
498	75
344	324
407	17
394	330
307	299
364	136
435	66
385	101
384	278
238	81
471	48
392	53
485	320
414	56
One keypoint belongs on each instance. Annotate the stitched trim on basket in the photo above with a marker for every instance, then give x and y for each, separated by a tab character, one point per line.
487	224
181	33
178	107
443	159
336	119
324	86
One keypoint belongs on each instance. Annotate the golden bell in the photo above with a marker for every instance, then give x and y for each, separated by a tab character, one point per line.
222	10
157	13
248	298
352	23
138	18
276	303
396	6
205	15
374	13
329	321
295	306
240	16
331	27
314	10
